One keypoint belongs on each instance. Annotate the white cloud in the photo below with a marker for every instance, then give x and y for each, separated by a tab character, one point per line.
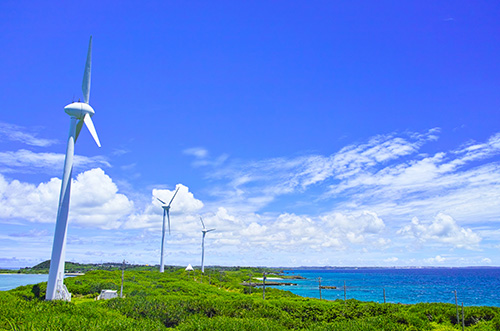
27	161
361	222
198	152
443	229
94	201
184	204
290	232
380	149
18	133
254	229
375	184
434	260
462	181
391	260
260	182
202	158
357	200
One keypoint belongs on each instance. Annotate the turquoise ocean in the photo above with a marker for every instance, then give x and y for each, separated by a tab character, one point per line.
474	286
10	281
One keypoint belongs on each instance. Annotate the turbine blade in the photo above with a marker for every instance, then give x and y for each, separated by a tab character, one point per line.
168	217
173	197
161	201
201	219
79	126
210	230
86	74
90	126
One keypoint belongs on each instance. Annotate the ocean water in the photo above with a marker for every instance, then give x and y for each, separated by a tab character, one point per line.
10	281
475	287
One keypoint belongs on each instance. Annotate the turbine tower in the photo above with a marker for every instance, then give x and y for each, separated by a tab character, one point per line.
204	231
166	210
80	112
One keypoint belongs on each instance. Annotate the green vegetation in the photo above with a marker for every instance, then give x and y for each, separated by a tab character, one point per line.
72	267
215	301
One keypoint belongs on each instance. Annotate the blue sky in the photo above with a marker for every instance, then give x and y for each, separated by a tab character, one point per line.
307	133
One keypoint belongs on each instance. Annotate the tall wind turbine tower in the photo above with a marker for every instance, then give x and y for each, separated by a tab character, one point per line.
204	231
166	210
80	112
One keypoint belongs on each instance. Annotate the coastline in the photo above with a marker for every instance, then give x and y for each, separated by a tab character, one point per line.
406	286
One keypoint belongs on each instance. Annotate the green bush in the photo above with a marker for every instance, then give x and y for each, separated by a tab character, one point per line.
215	301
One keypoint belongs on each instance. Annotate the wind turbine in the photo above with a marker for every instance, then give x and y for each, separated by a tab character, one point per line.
80	112
166	210
204	231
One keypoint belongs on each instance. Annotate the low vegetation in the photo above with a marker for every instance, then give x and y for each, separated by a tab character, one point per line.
215	301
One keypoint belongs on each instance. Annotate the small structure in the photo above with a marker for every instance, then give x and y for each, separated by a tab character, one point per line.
107	294
189	268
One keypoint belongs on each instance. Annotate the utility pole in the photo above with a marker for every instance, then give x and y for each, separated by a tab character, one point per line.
384	294
463	317
456	305
250	283
264	286
319	281
123	272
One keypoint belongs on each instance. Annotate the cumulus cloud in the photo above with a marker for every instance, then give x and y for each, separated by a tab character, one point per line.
443	229
288	231
352	200
184	204
21	134
95	201
388	174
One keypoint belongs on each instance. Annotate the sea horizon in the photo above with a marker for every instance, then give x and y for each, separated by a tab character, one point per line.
304	267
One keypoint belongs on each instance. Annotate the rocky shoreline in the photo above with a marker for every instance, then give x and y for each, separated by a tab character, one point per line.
270	283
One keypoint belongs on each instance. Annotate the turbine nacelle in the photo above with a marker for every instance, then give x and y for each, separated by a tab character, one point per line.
79	110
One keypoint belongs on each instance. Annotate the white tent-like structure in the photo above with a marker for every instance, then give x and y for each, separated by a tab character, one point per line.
189	268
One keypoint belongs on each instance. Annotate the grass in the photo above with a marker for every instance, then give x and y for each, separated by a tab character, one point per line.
215	301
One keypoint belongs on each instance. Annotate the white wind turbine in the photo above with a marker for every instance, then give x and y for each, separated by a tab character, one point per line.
166	210
80	112
204	231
